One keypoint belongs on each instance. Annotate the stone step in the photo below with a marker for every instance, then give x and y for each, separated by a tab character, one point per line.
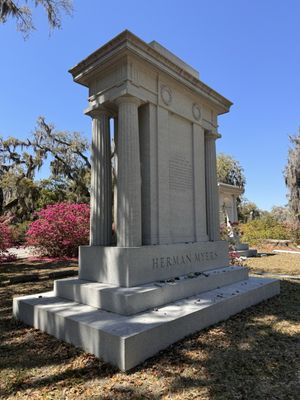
242	246
126	341
246	253
128	301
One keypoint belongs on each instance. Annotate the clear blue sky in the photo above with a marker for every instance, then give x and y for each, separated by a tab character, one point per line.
249	51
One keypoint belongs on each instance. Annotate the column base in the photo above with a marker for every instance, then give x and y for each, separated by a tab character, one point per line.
132	266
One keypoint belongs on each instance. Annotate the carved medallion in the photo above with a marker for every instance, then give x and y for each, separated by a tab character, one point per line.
196	111
166	94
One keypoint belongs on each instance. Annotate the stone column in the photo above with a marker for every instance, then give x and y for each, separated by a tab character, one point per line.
212	198
101	189
234	205
129	232
115	161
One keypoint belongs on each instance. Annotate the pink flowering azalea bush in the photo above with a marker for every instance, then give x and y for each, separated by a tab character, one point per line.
6	241
60	229
236	259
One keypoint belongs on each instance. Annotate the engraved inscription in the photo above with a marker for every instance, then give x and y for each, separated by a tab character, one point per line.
185	259
181	173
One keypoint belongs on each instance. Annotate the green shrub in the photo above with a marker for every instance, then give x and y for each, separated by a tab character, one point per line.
19	232
265	228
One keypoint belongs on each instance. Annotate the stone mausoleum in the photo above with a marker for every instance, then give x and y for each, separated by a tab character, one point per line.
168	274
228	196
228	208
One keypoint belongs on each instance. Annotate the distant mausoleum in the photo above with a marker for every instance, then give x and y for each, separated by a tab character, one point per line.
228	195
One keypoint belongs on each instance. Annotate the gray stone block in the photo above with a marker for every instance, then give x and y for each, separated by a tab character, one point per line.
126	341
128	301
247	253
242	246
132	266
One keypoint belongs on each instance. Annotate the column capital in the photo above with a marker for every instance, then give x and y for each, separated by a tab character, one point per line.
128	99
98	112
212	135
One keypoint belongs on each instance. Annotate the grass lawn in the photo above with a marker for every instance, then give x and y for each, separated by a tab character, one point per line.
280	263
253	355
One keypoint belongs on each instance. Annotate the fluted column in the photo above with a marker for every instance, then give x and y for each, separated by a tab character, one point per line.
115	161
212	197
101	189
129	232
234	205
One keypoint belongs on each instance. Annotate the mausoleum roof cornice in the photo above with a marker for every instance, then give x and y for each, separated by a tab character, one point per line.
230	189
127	42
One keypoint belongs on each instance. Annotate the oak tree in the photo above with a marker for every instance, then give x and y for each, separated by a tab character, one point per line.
292	176
230	171
22	12
70	169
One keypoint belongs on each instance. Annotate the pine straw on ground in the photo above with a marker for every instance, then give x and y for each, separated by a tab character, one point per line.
253	355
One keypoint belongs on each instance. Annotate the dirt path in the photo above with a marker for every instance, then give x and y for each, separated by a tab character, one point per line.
22	252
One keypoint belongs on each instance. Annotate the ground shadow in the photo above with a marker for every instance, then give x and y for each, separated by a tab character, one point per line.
22	266
253	355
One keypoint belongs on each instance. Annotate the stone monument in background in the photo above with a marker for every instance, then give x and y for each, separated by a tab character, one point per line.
228	195
228	209
168	274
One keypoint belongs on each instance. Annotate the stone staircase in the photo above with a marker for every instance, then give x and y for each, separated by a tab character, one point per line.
125	326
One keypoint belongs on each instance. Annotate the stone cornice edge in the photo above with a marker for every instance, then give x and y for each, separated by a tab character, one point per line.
128	39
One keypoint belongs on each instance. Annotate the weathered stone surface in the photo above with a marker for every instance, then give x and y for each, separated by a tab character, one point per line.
131	266
169	113
128	301
168	259
228	195
101	199
126	341
129	227
212	201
